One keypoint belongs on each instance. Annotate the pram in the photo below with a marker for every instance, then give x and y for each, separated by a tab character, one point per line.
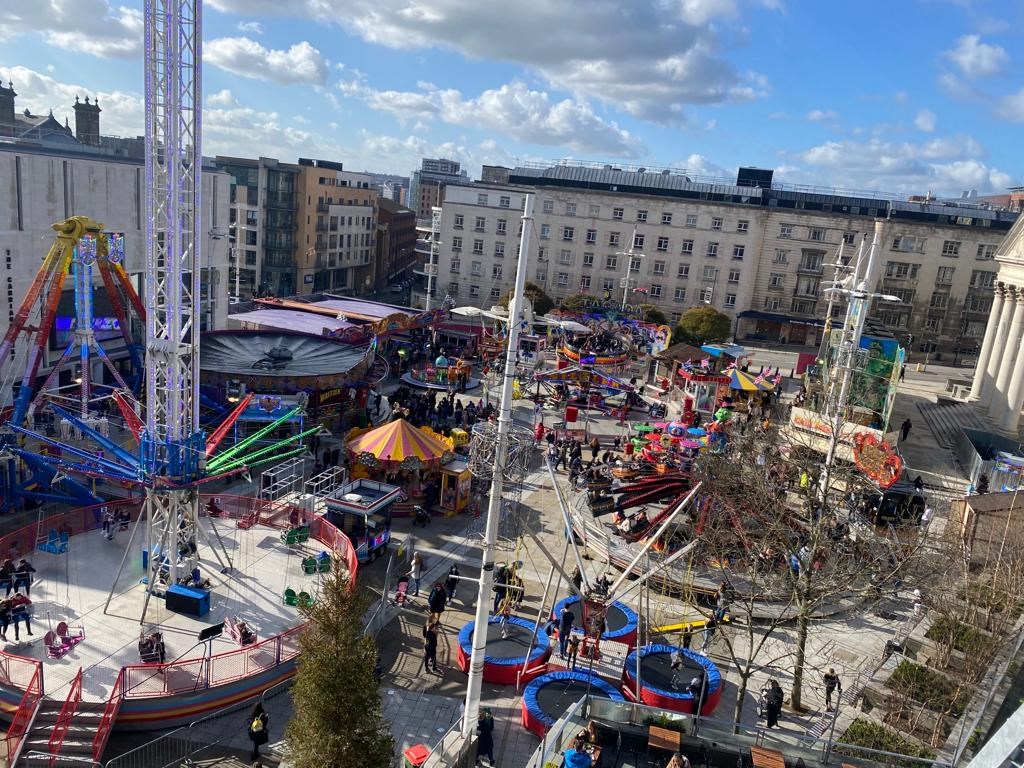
402	589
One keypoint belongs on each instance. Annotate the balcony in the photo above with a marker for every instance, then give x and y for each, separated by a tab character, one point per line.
321	226
809	269
322	207
803	293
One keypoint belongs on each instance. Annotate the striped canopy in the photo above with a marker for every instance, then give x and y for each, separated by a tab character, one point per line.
747	383
398	440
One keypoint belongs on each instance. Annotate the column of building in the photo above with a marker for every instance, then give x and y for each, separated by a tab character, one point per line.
1009	349
982	384
989	391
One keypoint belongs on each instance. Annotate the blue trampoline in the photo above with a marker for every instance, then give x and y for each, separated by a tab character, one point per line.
507	655
549	696
663	687
621	619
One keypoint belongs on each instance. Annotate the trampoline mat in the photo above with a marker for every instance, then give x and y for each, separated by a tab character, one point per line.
615	619
556	697
516	645
656	669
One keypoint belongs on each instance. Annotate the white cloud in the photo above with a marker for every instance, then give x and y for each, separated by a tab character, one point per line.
925	120
250	27
82	26
122	113
513	110
651	58
698	165
302	63
822	115
1012	107
944	165
978	59
222	98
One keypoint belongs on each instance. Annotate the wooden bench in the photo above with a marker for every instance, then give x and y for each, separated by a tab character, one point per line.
762	757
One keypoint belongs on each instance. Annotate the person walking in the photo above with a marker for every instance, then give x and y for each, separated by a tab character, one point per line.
905	428
565	621
430	646
709	634
563	456
832	685
416	571
775	699
485	737
451	583
258	735
595	447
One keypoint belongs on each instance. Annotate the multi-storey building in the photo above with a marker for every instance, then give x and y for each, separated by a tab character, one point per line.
337	228
263	220
758	251
51	175
396	244
427	186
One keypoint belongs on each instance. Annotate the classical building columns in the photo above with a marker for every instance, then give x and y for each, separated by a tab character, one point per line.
1010	420
1010	352
995	359
982	381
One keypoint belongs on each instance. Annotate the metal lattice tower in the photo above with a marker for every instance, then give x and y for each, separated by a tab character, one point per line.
172	445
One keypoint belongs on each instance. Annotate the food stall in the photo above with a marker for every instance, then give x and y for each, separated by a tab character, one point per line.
456	487
362	511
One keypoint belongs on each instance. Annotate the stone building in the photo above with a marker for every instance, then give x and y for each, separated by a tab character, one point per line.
757	250
998	387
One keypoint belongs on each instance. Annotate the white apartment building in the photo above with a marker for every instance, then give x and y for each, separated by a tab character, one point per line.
47	186
757	253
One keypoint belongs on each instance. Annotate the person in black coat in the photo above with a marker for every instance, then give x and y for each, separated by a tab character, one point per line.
485	739
258	722
437	600
430	646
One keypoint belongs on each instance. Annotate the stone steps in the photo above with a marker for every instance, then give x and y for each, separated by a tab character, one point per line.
946	417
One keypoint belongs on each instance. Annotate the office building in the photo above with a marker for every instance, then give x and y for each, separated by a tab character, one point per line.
427	186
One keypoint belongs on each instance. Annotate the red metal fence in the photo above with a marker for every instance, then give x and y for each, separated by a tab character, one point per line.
67	714
143	680
99	741
26	711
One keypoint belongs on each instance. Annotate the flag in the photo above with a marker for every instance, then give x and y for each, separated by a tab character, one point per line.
704	363
759	378
778	379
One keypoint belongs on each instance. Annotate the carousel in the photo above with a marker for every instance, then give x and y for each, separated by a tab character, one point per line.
443	373
421	461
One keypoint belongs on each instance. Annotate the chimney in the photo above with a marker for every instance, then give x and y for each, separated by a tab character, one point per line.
87	122
7	109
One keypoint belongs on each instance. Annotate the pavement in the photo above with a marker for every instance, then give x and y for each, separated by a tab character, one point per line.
422	706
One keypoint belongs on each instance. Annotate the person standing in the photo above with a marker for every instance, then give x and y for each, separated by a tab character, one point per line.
574	649
565	621
20	605
258	722
905	428
452	582
416	571
832	685
563	456
485	737
595	447
436	601
775	699
430	646
709	634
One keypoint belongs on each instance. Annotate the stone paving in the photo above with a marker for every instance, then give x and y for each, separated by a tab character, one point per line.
422	707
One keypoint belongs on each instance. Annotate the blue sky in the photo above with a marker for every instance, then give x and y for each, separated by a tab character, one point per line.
904	96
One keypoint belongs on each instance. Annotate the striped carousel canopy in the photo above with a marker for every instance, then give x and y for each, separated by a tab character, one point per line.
745	382
398	440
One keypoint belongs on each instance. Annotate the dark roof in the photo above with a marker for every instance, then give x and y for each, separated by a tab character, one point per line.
681	353
993	502
392	207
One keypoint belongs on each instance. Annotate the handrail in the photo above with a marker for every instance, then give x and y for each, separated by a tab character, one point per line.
24	715
106	725
67	712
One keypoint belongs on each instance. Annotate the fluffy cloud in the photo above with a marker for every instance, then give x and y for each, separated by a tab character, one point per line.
822	115
978	59
250	27
698	165
925	120
222	98
513	110
122	113
946	166
302	63
84	26
650	58
1012	107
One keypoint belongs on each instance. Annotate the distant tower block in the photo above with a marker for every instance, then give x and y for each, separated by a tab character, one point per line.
87	122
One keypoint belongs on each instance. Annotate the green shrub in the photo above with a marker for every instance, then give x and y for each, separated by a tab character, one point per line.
872	735
965	638
933	689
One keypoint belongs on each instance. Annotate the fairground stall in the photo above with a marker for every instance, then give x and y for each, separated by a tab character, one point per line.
362	511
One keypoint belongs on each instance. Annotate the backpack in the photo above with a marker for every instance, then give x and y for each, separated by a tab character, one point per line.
257	725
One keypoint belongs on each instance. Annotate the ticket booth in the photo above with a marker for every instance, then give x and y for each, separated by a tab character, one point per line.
456	485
